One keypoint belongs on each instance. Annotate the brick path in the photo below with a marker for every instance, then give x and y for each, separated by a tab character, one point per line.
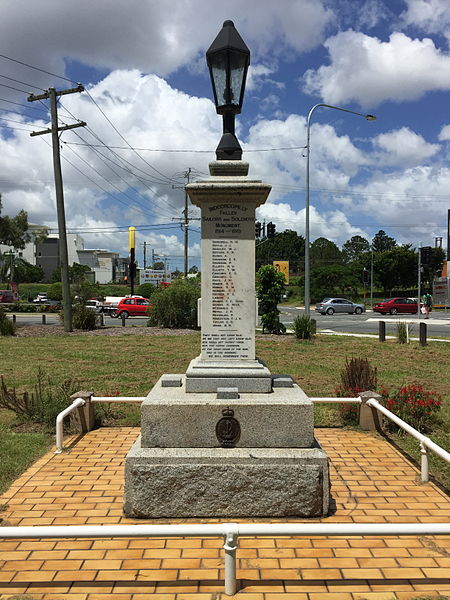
371	482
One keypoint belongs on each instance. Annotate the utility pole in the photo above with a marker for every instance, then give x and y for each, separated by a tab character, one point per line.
186	223
52	94
145	255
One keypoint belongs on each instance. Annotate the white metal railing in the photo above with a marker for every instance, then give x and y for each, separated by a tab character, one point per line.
356	400
230	532
118	398
77	403
425	442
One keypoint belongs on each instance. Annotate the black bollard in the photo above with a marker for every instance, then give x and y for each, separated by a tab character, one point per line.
381	331
123	320
43	318
422	334
102	320
14	318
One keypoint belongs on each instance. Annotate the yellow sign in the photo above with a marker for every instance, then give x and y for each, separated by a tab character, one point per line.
131	237
283	267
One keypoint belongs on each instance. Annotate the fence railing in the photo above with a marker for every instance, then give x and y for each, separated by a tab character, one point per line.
230	533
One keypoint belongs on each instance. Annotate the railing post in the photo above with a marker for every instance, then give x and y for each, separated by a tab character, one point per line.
83	419
368	416
423	462
381	331
230	546
422	334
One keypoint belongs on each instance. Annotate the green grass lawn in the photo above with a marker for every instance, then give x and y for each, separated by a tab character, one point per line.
130	366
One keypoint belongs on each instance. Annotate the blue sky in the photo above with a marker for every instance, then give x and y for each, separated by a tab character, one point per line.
151	118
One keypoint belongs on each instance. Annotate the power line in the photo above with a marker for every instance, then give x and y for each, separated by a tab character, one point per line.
15	128
198	151
123	138
36	68
22	82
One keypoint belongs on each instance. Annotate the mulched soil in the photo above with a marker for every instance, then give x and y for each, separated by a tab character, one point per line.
58	330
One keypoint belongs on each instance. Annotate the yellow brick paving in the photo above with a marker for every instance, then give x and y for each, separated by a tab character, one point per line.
371	482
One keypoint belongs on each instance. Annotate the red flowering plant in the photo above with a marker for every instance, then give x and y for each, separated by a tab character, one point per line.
418	407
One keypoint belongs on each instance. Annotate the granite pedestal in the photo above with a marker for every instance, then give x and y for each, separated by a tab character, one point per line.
178	469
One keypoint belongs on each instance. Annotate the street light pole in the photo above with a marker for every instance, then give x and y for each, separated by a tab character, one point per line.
307	235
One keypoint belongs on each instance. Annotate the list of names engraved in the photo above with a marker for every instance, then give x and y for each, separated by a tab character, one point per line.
226	337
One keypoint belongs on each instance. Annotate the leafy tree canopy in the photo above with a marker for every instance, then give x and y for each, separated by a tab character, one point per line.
77	273
354	248
382	242
13	230
324	252
287	245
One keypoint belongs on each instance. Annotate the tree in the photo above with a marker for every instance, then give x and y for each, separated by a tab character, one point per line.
287	245
77	273
24	272
333	280
270	289
159	266
381	242
13	231
323	252
354	248
396	268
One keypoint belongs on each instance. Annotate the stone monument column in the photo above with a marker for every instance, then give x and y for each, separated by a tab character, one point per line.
228	313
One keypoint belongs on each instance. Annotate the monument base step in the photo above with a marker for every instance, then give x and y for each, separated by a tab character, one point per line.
226	482
172	418
252	376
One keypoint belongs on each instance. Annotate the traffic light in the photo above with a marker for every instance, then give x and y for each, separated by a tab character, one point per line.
270	230
425	255
365	276
258	228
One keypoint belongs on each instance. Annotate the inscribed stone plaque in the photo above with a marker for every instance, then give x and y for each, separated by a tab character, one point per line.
228	280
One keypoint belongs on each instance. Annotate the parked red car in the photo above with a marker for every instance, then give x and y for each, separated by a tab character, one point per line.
396	305
132	307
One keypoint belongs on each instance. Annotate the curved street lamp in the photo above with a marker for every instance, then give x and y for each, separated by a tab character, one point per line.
228	59
308	136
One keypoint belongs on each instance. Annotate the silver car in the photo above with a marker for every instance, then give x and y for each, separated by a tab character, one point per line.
329	306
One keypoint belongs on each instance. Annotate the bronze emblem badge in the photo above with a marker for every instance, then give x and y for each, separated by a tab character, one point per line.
228	430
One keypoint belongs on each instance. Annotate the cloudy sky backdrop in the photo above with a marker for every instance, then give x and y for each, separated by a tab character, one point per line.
150	114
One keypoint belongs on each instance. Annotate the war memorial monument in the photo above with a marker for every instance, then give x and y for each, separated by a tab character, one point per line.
228	438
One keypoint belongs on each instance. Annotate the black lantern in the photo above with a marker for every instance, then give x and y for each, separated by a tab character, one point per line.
228	58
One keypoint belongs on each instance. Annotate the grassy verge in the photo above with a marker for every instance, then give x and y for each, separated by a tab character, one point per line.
130	365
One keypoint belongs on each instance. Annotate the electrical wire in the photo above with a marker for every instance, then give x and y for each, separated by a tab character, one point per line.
202	151
22	82
36	68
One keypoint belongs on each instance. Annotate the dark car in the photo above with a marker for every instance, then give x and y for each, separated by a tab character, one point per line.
396	305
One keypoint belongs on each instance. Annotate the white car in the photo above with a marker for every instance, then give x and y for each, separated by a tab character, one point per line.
94	305
41	298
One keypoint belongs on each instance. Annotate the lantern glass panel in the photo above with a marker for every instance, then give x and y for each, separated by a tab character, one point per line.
219	73
237	73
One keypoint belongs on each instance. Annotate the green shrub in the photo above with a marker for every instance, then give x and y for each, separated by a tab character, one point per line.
304	327
176	305
54	291
7	327
270	289
146	290
43	404
83	318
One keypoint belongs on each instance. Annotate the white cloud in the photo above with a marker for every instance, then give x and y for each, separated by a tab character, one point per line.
444	134
403	147
412	201
332	224
151	36
432	16
369	71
